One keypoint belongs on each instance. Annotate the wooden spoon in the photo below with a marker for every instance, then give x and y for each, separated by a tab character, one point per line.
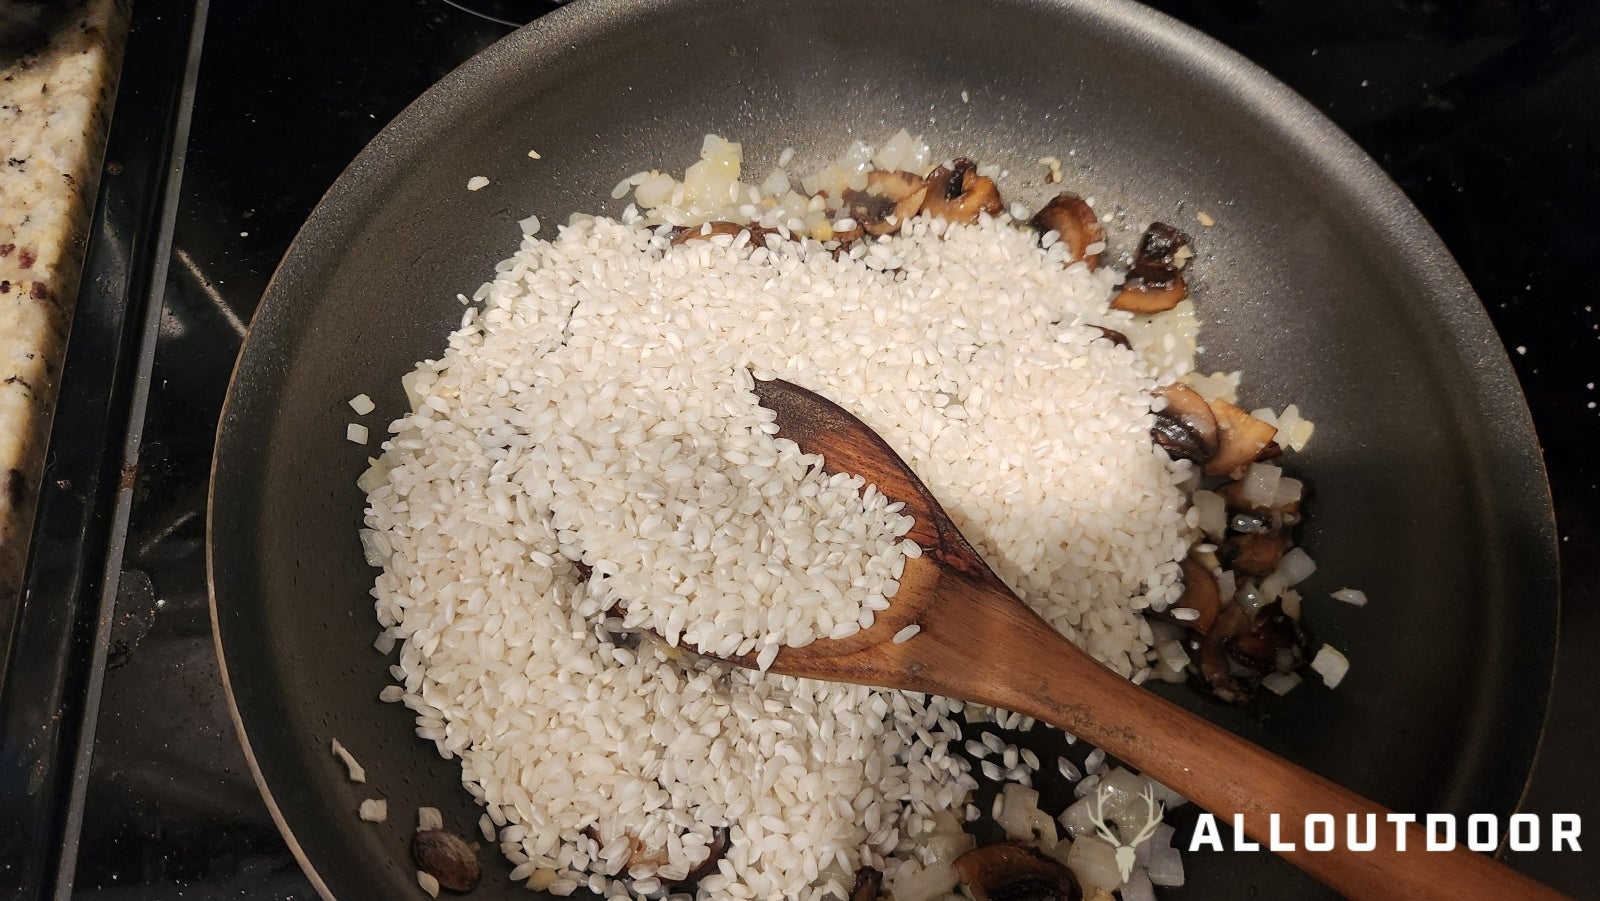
979	642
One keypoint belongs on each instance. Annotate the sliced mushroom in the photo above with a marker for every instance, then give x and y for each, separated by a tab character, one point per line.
1140	295
1212	664
1255	553
448	858
1114	336
1200	594
1155	282
889	201
1075	221
958	193
1242	438
1238	652
868	885
685	234
1272	634
1186	428
1007	871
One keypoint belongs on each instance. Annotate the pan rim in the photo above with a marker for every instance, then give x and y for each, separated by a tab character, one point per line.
1300	127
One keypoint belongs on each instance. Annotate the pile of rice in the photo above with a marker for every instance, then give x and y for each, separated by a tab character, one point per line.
596	410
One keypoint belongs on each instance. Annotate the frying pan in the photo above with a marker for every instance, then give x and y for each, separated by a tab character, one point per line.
1320	281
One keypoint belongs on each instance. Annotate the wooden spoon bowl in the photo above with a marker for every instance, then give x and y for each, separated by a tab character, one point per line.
979	642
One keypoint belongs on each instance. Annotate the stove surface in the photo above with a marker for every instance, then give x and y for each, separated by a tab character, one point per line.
1469	104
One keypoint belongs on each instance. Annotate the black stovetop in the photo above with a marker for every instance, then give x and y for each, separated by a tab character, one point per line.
115	739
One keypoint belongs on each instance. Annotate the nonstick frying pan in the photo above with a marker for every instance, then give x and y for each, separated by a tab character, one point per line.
1320	281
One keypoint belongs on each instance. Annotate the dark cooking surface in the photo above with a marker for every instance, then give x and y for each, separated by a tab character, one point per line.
1482	111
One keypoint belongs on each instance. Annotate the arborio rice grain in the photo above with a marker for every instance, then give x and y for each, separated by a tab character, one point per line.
596	410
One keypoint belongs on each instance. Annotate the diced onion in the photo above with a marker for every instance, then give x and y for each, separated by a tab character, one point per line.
1016	812
1216	386
373	549
1137	888
1351	596
1211	514
1289	492
376	475
1165	867
1291	603
1251	597
1261	484
777	184
927	884
411	383
1094	862
1330	665
1078	819
1227	584
1172	655
1280	683
654	191
1296	567
1300	435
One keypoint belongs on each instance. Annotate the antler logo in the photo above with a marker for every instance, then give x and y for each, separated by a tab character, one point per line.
1125	852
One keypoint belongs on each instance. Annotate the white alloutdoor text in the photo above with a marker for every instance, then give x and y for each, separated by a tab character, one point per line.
1364	832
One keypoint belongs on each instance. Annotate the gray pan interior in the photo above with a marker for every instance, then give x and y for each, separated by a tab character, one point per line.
1320	281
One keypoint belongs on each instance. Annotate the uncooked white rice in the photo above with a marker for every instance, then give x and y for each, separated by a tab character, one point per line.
596	409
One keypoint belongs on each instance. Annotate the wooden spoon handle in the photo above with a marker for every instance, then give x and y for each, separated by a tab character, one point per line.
1048	678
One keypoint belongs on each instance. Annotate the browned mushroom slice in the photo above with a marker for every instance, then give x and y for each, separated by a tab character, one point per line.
1209	652
1255	553
1155	282
1145	295
958	193
868	885
1006	871
1074	220
1271	636
685	234
1242	438
1162	247
448	858
1200	594
891	199
1186	428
